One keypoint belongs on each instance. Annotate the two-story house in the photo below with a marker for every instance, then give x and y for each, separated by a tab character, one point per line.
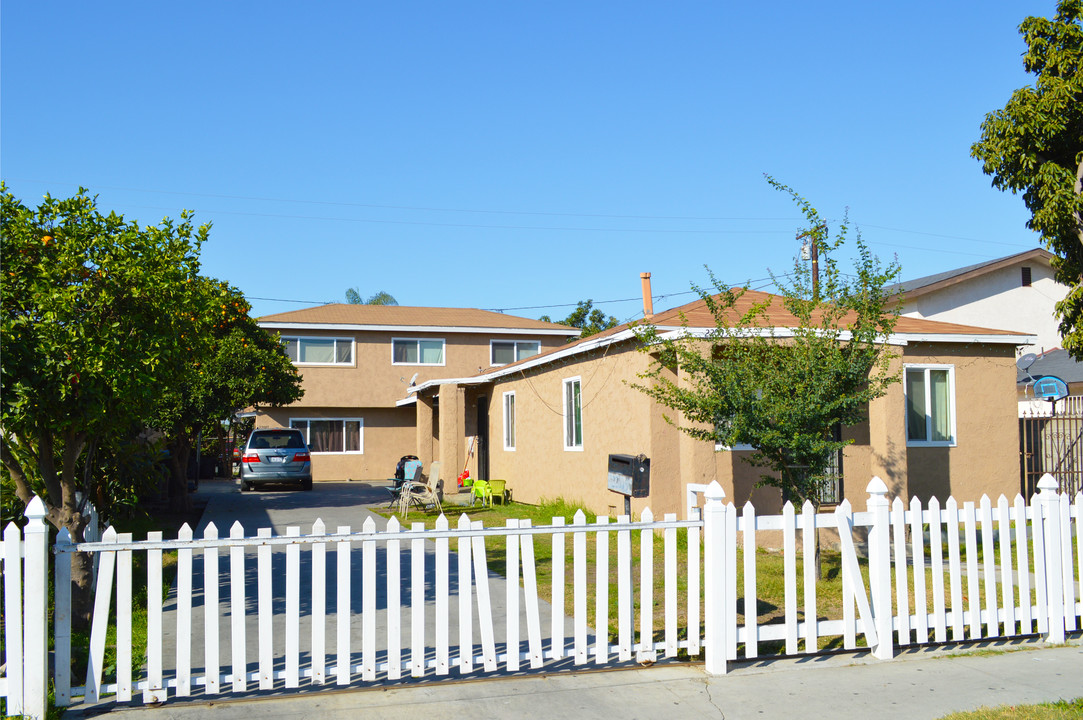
358	361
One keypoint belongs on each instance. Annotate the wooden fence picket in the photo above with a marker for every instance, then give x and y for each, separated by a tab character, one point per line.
293	609
155	691
103	595
368	600
789	571
1007	585
936	554
1022	563
670	586
558	631
211	659
989	567
625	601
530	587
443	595
973	579
511	585
601	593
917	548
265	612
237	610
184	613
13	615
646	651
485	604
466	605
124	620
1068	582
579	587
318	595
343	615
394	601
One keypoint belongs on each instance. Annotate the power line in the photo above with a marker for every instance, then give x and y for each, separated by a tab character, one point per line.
412	207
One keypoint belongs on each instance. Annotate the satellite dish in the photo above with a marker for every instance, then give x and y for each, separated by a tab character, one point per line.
1026	361
413	380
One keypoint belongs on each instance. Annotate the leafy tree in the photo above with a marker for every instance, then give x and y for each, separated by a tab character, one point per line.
587	318
353	297
93	313
1034	145
232	364
782	378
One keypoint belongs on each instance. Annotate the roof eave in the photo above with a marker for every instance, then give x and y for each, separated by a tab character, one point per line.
349	327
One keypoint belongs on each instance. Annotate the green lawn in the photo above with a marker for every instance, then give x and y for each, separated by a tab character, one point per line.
1062	710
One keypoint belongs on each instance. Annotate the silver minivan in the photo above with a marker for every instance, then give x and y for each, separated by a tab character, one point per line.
276	455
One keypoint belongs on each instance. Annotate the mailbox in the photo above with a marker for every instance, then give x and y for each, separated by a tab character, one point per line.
630	475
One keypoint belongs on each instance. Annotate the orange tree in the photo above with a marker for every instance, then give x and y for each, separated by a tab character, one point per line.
232	364
94	314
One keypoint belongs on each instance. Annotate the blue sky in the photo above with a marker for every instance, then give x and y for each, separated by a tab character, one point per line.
517	156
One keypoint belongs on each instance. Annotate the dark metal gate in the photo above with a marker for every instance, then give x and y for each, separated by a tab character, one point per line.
1052	443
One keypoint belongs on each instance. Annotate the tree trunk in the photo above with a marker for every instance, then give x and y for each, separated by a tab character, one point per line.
179	501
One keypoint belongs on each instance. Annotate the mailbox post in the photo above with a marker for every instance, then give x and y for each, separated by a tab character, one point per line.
630	476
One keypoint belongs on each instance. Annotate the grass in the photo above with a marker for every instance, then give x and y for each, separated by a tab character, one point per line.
1061	710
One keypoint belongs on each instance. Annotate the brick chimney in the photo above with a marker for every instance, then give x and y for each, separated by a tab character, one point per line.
648	303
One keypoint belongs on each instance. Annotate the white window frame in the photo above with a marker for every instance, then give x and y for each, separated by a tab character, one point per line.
343	420
509	421
568	441
953	408
337	341
515	344
443	351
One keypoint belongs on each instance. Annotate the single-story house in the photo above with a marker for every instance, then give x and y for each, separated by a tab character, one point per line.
551	421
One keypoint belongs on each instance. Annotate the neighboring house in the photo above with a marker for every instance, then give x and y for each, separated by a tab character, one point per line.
948	428
1055	362
1017	293
358	361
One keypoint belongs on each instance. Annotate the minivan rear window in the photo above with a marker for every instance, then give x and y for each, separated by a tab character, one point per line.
272	440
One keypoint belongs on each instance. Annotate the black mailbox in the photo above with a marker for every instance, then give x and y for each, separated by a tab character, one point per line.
630	475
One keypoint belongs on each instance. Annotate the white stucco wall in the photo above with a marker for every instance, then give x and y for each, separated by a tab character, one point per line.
998	300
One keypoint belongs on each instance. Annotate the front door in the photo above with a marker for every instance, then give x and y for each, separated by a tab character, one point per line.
483	438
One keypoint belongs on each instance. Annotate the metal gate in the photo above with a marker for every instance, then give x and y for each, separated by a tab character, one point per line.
1051	441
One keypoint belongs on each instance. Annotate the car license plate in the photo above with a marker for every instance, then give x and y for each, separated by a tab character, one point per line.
278	459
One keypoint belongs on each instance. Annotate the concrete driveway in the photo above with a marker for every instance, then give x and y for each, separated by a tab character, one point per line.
337	504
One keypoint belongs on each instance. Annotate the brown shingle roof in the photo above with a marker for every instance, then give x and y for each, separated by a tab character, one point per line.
402	316
698	316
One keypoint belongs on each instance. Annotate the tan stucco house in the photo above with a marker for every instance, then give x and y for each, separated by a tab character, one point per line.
357	363
552	420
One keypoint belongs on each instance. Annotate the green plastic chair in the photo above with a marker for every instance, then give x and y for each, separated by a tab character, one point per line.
483	491
497	489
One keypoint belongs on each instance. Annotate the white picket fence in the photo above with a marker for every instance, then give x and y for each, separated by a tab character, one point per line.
995	571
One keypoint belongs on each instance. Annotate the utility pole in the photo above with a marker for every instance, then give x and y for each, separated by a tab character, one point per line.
810	250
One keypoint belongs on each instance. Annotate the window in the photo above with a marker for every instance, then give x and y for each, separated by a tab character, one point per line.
417	352
502	352
573	414
509	421
722	427
335	435
830	491
319	351
930	405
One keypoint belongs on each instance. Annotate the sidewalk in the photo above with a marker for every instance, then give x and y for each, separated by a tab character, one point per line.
916	685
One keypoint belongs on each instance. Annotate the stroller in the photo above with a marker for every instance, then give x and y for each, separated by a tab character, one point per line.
408	468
